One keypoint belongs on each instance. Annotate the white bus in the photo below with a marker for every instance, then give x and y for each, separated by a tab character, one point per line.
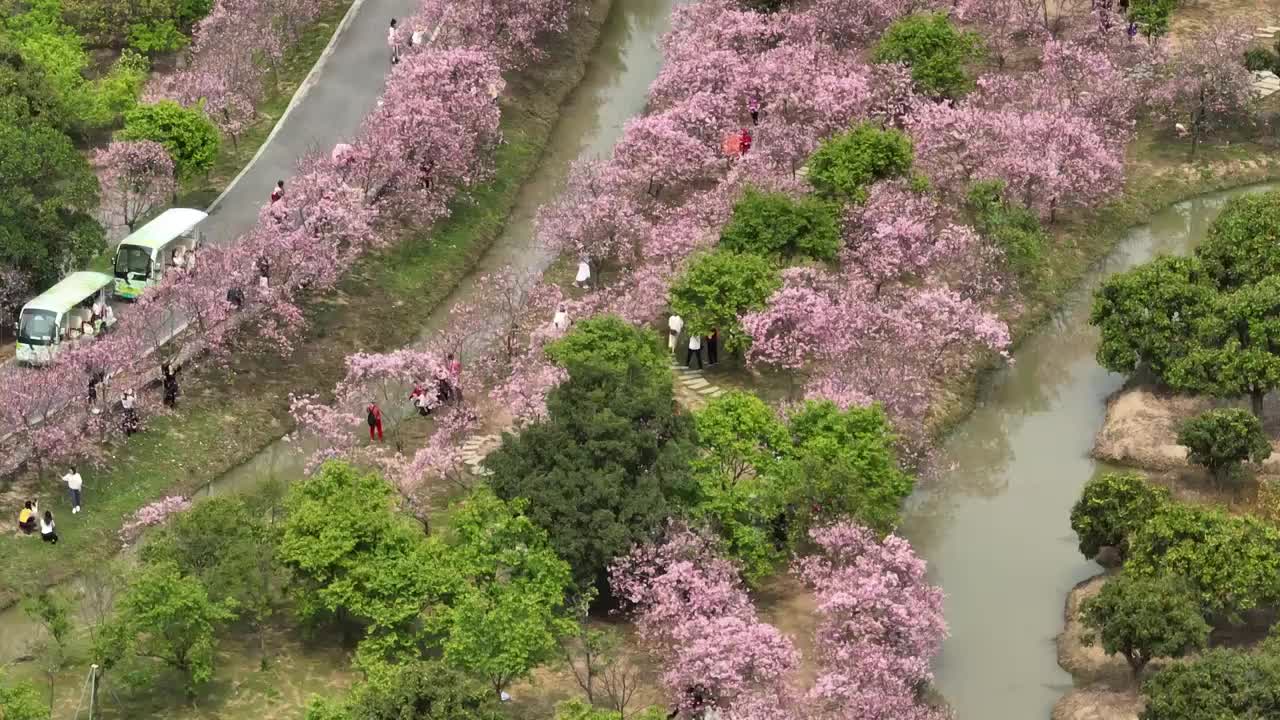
73	309
169	241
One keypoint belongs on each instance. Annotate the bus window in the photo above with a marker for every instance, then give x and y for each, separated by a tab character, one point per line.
131	259
37	327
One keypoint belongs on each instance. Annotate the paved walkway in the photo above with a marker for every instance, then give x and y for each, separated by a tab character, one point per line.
328	108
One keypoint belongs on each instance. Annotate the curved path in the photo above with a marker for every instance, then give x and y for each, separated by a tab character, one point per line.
341	89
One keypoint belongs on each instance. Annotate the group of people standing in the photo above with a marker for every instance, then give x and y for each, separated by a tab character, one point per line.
675	326
447	389
29	517
394	41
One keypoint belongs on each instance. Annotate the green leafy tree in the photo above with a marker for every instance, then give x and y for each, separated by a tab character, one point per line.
1145	618
605	469
1013	229
740	436
845	166
1236	350
46	221
935	51
843	465
21	701
740	499
1111	509
1152	16
779	226
355	560
168	617
189	136
1148	315
608	341
228	546
1220	440
717	287
419	690
1231	563
52	612
499	597
1217	685
29	95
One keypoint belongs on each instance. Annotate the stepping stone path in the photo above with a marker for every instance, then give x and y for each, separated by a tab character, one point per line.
695	384
1265	83
475	448
1267	32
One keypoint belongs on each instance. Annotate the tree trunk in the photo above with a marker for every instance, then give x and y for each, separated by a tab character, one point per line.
1255	402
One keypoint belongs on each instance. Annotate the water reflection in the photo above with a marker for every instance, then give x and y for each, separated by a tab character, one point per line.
994	525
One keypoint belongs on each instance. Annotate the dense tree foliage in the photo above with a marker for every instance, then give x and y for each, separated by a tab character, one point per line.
1231	563
1221	440
419	690
845	165
189	136
21	701
779	226
1112	508
608	342
934	49
720	286
1144	619
1221	683
168	618
605	468
498	592
1013	230
354	559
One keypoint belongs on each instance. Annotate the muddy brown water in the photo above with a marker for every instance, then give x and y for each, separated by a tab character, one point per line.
994	525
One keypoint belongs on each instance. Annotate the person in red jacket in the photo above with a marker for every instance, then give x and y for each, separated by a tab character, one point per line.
375	420
744	141
277	192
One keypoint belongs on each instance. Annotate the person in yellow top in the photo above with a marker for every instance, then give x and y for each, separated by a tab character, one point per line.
27	517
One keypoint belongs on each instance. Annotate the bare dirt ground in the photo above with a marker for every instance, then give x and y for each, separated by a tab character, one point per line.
1098	704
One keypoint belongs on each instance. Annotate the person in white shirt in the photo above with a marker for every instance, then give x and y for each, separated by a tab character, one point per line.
48	532
695	352
74	484
675	324
584	274
416	39
561	320
393	41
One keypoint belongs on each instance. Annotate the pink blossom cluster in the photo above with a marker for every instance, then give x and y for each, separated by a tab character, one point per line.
431	137
880	625
233	49
136	178
691	608
150	515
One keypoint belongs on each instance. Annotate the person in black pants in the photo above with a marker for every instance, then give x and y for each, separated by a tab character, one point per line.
713	347
695	352
170	383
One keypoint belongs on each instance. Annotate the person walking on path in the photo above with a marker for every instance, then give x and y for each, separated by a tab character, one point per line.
264	271
278	192
583	278
713	347
393	41
75	484
169	379
744	141
675	324
374	417
48	531
695	352
753	105
95	380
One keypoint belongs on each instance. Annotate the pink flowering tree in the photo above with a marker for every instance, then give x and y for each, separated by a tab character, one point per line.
1205	85
137	178
691	608
512	30
151	515
880	624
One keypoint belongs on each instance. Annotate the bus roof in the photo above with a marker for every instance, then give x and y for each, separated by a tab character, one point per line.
165	227
69	291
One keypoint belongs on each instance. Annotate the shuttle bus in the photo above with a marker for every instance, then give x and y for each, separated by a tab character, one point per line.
167	242
74	309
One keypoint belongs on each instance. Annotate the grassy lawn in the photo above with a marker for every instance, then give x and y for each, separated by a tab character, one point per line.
228	414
